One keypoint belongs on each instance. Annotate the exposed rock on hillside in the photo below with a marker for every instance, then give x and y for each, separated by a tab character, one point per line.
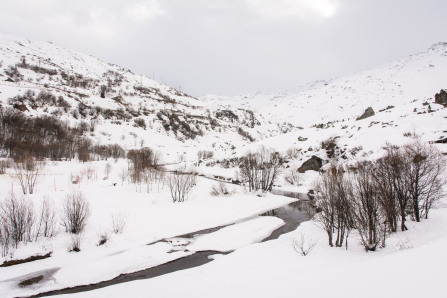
368	113
441	98
314	163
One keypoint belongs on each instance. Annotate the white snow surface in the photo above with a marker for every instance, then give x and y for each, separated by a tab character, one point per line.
412	265
150	217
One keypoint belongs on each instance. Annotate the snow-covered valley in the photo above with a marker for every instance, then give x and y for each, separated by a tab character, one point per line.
133	221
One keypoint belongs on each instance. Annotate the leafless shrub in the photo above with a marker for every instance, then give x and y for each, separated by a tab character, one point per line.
403	244
46	225
180	184
17	220
103	237
303	245
220	189
26	172
75	243
76	211
107	170
5	236
4	164
123	175
293	152
89	171
118	223
292	176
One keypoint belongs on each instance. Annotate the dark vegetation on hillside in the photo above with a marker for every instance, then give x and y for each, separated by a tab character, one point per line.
48	137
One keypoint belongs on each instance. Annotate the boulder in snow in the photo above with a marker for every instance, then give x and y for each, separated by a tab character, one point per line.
368	113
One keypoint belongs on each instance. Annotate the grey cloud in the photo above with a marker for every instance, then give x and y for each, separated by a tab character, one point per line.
231	47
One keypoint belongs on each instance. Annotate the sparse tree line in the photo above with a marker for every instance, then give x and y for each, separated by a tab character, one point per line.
377	198
22	222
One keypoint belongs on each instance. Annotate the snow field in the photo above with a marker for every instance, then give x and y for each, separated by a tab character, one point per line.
150	217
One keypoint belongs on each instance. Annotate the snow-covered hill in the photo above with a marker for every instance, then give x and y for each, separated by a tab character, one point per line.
401	93
40	78
135	111
396	83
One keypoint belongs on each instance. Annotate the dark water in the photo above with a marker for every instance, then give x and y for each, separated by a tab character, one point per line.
197	259
292	214
290	194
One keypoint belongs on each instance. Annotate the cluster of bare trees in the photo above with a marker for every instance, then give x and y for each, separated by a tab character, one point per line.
260	169
180	184
144	167
20	223
204	154
375	197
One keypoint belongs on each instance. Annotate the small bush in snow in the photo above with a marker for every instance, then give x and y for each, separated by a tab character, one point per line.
74	243
220	189
107	170
103	237
118	223
303	245
292	176
46	224
293	152
76	211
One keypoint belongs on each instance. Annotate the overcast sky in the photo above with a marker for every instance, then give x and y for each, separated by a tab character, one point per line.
233	47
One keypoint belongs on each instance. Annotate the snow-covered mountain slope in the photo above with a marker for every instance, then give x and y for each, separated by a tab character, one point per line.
40	78
401	93
418	76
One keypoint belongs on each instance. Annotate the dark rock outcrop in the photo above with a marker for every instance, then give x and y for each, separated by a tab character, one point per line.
314	163
368	113
441	98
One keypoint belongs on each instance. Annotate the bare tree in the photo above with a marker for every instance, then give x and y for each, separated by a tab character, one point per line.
26	173
180	184
334	199
76	211
424	172
123	175
369	219
389	176
46	224
107	170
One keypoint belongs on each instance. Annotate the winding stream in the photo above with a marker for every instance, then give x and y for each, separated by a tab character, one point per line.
292	214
